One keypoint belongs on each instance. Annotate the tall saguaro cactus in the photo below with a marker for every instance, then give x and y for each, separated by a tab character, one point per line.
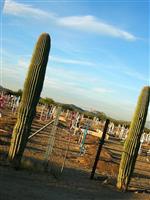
132	142
30	97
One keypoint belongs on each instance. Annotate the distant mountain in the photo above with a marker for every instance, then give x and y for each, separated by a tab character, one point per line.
4	89
1	88
87	113
71	107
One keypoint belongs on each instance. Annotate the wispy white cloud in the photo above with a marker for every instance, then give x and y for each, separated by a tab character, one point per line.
87	23
71	75
72	87
52	82
135	74
23	63
102	90
70	61
11	72
26	10
112	69
92	24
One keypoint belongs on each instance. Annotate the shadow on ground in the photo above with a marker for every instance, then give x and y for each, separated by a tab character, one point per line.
72	185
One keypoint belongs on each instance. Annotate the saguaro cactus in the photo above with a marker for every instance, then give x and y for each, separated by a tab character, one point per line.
132	142
30	97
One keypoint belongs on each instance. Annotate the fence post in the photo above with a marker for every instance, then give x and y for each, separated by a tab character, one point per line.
51	139
101	142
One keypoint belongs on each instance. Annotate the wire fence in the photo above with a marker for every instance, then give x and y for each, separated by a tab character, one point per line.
53	145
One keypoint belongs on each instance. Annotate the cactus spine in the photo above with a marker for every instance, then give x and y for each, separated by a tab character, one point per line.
132	142
30	97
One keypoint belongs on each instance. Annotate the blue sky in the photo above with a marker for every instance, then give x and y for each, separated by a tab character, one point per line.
99	53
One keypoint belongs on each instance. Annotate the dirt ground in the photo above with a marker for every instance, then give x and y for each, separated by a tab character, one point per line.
74	183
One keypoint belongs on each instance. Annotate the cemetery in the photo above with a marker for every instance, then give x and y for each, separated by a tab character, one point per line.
64	139
50	139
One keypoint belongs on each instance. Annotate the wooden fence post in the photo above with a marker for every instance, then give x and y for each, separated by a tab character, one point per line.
101	142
